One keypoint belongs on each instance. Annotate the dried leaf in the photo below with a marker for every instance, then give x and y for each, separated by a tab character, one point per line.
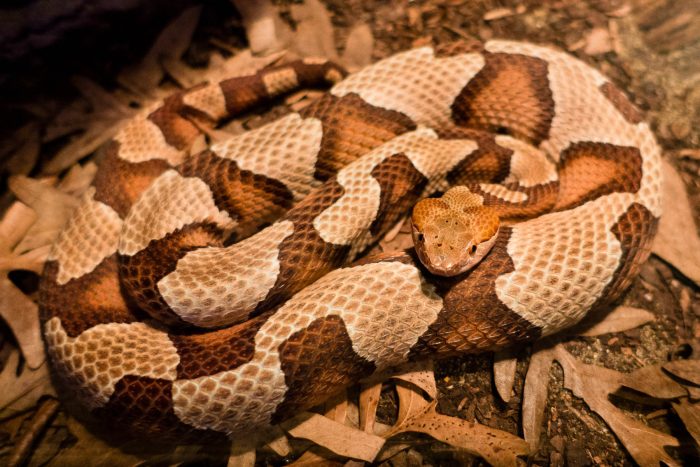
337	407
22	315
335	437
18	392
97	123
358	48
390	450
278	442
411	403
242	453
265	31
19	312
14	226
97	104
689	414
677	240
369	401
622	318
693	392
311	459
504	365
101	100
27	232
652	380
81	146
535	393
172	42
314	32
52	206
495	446
241	64
593	384
688	370
420	375
99	452
78	179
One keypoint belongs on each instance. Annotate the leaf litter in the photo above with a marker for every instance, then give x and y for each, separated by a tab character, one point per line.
351	429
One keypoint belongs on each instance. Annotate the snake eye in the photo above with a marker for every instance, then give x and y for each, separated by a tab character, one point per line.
473	249
420	237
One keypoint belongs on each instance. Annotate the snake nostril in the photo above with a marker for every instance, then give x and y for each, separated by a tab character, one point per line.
473	249
421	237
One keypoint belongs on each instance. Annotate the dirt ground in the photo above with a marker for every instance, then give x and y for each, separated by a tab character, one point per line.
651	48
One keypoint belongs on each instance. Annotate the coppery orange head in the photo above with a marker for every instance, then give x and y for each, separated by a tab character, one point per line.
453	233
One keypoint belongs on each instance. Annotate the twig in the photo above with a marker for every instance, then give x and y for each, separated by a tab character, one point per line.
41	419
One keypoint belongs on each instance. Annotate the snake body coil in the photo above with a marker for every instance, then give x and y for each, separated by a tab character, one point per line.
153	317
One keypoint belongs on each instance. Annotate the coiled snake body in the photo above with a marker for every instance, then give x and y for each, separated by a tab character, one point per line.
154	317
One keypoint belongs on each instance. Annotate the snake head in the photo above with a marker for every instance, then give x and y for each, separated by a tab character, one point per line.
452	234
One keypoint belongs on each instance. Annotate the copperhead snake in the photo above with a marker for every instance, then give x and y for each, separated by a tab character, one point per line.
214	292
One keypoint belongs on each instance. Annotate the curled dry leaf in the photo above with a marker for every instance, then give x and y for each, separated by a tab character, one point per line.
688	370
369	401
411	403
338	438
504	366
420	375
677	240
495	446
622	318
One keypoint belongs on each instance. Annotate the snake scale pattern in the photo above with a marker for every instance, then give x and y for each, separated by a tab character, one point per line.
214	292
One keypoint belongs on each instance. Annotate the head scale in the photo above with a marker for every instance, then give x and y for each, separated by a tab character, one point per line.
453	233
